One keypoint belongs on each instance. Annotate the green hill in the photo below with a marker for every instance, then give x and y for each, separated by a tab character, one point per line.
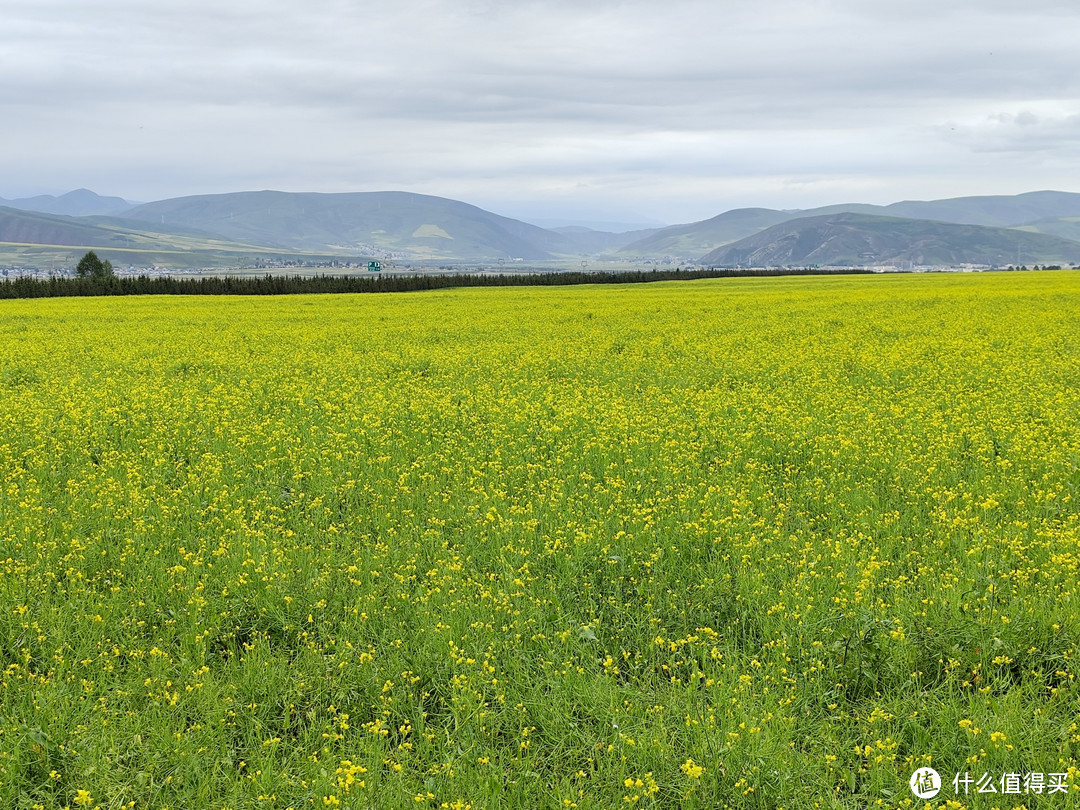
30	227
28	238
1050	212
413	226
860	239
27	227
701	237
1000	211
1065	227
997	211
225	229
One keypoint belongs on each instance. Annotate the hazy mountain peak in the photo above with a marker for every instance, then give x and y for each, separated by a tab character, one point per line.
81	202
857	239
419	228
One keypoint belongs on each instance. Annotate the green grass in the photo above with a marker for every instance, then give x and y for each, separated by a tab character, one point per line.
735	543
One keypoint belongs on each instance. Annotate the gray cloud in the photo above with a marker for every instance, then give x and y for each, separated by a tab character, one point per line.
1052	136
673	110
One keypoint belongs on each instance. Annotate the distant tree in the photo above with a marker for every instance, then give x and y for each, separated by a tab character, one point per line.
93	267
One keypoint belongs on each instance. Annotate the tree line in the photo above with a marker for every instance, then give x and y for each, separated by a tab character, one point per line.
107	283
294	285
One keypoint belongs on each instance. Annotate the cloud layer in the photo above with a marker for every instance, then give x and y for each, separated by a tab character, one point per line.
609	108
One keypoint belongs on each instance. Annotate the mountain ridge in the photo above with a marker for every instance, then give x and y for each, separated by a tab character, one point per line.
852	239
1042	211
424	228
79	203
377	221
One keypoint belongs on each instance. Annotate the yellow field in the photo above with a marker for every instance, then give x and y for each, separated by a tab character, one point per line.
748	543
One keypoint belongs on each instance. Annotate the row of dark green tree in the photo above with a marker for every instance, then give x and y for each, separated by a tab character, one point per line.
97	277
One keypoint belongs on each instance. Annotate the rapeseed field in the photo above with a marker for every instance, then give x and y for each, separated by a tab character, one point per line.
772	543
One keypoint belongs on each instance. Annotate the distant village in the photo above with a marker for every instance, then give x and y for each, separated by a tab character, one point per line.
303	268
279	267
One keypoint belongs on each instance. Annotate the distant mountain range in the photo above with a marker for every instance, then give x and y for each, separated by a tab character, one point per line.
686	241
862	239
30	238
219	229
1051	212
79	203
416	226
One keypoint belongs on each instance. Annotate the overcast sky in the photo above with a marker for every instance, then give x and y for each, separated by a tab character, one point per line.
627	110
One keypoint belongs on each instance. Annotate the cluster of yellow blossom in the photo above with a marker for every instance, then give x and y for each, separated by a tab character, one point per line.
724	543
